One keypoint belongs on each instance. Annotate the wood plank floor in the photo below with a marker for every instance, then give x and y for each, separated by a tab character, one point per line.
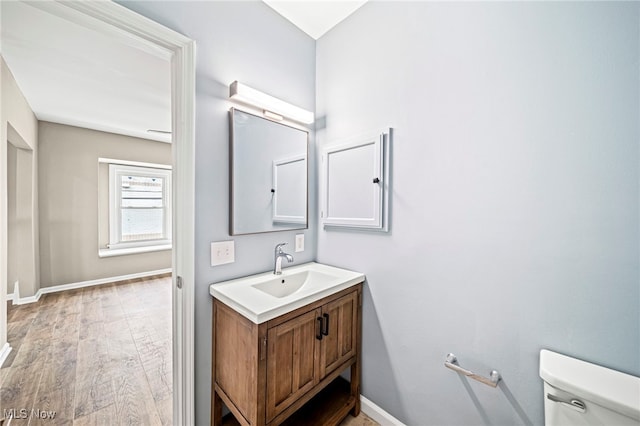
94	356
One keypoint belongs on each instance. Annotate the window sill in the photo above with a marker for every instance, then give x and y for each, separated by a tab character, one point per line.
132	250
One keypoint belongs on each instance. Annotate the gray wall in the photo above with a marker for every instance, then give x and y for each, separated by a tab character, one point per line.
22	261
73	207
18	129
515	196
12	215
249	42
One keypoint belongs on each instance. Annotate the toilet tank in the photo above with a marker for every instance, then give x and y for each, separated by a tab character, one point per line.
580	393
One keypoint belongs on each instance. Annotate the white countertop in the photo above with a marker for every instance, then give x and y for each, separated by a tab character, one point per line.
320	281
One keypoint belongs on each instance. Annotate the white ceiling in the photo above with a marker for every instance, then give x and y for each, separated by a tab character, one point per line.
75	75
315	17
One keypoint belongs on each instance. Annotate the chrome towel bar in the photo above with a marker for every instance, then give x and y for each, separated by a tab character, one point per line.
452	363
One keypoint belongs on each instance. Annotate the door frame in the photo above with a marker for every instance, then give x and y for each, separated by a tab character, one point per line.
129	27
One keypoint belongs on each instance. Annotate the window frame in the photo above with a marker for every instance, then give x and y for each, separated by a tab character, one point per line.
116	171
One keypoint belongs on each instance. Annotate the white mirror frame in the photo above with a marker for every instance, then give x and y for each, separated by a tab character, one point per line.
117	21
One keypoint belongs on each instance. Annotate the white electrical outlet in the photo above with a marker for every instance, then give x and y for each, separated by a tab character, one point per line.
299	242
222	252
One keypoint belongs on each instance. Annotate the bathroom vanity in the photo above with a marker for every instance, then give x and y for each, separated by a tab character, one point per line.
280	344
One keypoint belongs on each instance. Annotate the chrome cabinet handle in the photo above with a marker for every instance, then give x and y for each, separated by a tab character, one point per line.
573	403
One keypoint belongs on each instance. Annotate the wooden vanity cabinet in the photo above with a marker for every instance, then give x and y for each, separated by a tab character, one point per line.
291	361
264	373
340	342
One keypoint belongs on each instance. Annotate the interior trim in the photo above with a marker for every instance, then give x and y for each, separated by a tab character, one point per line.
133	163
111	252
17	300
4	353
378	414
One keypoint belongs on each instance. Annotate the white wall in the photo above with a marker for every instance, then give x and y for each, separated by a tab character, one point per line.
249	42
515	196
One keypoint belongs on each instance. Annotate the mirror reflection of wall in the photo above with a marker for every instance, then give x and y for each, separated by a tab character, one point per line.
288	183
268	175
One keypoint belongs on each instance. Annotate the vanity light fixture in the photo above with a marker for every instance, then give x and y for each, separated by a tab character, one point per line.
272	107
272	115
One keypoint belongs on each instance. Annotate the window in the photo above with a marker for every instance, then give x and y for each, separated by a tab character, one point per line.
139	207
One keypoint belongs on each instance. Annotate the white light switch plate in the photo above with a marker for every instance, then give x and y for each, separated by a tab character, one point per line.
299	242
222	252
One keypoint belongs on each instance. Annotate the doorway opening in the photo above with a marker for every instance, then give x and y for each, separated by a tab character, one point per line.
115	21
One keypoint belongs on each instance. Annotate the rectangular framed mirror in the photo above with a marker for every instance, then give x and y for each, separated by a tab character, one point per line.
268	175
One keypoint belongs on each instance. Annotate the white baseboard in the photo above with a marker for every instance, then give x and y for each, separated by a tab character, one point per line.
24	300
16	292
62	287
4	353
378	414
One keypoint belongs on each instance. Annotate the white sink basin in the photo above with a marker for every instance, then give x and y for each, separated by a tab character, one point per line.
286	285
265	296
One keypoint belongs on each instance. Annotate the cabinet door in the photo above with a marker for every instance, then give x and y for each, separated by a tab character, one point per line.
291	370
339	342
354	183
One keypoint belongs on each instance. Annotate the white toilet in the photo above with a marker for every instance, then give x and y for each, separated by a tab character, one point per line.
580	393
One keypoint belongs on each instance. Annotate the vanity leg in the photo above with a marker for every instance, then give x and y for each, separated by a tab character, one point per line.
356	367
355	387
216	401
216	409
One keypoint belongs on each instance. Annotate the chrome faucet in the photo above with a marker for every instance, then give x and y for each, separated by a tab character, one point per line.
279	254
